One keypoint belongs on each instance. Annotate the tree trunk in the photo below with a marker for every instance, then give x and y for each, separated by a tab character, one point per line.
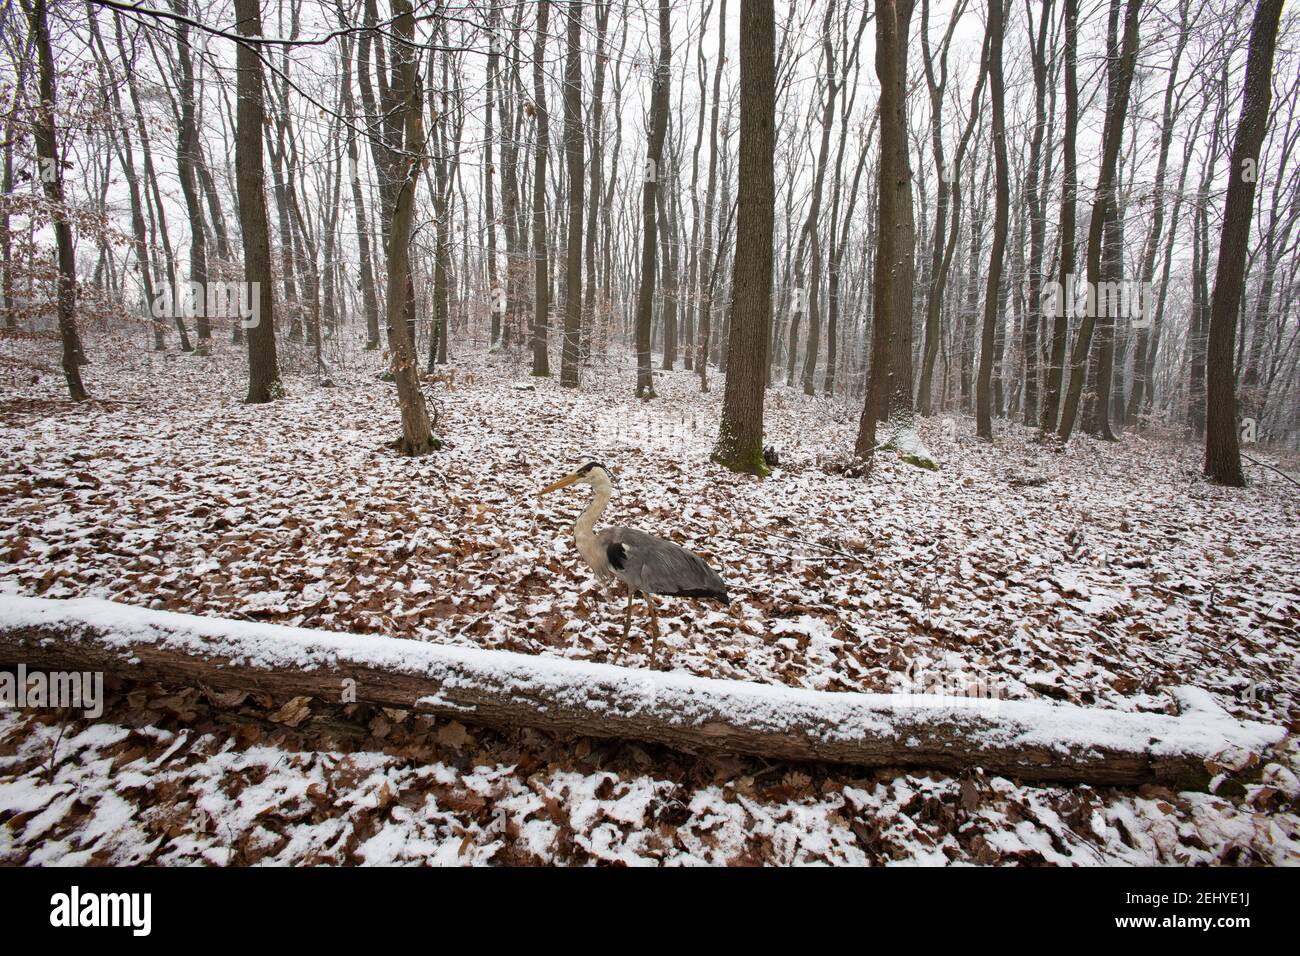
589	312
949	197
263	364
890	386
417	435
811	284
1001	202
649	207
187	147
509	117
935	81
704	329
370	301
1037	227
541	255
740	435
1141	372
51	176
1101	366
668	261
839	246
1120	78
443	147
1222	454
569	355
1069	187
7	189
140	243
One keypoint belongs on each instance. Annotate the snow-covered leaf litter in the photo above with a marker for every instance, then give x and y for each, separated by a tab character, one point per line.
1104	575
166	779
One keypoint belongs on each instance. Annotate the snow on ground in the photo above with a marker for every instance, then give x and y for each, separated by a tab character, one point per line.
1105	575
176	776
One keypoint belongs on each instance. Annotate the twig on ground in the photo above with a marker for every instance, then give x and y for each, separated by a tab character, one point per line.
1264	464
54	751
812	544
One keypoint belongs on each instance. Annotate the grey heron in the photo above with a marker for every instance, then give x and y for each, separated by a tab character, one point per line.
644	563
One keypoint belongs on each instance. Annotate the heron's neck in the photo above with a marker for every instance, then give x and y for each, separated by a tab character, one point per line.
583	530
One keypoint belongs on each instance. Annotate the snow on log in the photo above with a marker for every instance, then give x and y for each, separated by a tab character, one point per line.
1027	739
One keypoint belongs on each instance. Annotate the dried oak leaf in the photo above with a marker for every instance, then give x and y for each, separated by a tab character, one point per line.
293	713
454	735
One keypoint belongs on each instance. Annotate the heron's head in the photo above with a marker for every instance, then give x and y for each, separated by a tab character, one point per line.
592	473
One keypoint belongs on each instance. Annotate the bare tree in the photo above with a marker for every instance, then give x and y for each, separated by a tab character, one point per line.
740	435
569	357
403	159
1066	255
541	255
1037	226
890	388
187	149
649	209
365	268
1119	81
943	240
51	175
1001	202
704	329
1141	371
1222	454
263	364
121	138
7	186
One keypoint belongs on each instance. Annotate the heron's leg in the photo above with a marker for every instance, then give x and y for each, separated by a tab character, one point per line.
627	622
654	626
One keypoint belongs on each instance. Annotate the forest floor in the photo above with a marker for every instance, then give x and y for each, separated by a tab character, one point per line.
1104	575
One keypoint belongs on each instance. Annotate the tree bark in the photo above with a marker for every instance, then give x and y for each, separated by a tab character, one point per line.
649	208
51	176
263	364
187	147
443	147
890	386
126	155
7	188
704	328
1037	227
1141	373
1119	82
1069	188
569	353
417	435
941	248
1001	202
595	164
369	299
509	118
1222	454
541	255
740	435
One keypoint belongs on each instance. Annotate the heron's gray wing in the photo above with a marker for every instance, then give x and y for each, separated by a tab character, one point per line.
658	566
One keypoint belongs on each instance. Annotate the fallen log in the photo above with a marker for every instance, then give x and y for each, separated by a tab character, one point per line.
1028	739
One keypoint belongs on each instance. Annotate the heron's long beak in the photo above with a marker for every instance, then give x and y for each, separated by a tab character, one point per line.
562	483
